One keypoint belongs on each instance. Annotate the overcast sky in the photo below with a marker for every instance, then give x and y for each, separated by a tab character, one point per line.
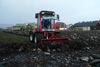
70	11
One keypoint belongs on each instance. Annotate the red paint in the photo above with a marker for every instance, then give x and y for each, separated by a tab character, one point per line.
54	25
54	39
46	33
40	24
36	29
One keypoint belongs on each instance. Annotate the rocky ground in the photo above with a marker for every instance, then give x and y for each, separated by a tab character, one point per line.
83	50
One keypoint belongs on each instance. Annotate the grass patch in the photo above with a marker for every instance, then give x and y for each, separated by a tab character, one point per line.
6	38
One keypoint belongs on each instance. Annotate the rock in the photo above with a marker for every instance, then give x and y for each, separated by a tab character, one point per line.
67	61
53	50
65	65
74	34
88	65
58	49
77	58
86	59
17	57
53	62
91	58
74	37
21	49
96	56
4	59
34	49
87	48
48	49
35	58
39	49
95	63
47	53
53	43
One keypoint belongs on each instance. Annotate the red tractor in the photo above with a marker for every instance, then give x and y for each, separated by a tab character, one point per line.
46	28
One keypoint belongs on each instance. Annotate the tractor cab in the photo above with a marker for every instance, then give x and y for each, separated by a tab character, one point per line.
46	20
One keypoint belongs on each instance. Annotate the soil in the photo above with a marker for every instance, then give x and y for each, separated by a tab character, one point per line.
83	50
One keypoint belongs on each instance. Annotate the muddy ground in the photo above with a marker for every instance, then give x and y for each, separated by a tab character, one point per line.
83	50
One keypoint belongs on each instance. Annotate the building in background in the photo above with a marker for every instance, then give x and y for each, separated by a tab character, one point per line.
92	25
68	26
61	26
22	27
17	27
29	26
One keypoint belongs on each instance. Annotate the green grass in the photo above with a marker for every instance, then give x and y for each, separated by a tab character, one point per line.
7	38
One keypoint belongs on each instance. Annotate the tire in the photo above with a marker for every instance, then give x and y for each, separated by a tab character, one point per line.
38	37
31	37
35	39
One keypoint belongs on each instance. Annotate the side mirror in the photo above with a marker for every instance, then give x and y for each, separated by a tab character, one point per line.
58	17
36	15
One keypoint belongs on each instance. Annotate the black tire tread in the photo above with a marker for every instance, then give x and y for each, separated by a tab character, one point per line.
32	37
39	37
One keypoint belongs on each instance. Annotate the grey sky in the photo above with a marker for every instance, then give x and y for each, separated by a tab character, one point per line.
70	11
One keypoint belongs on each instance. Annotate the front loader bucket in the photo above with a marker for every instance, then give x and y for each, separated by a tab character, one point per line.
54	39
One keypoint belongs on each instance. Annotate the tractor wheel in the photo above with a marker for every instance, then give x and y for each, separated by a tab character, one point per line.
35	39
31	37
38	37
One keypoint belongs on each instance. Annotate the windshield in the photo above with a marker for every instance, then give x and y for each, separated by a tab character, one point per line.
48	17
47	22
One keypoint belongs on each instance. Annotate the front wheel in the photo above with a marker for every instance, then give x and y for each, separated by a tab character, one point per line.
35	39
31	37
